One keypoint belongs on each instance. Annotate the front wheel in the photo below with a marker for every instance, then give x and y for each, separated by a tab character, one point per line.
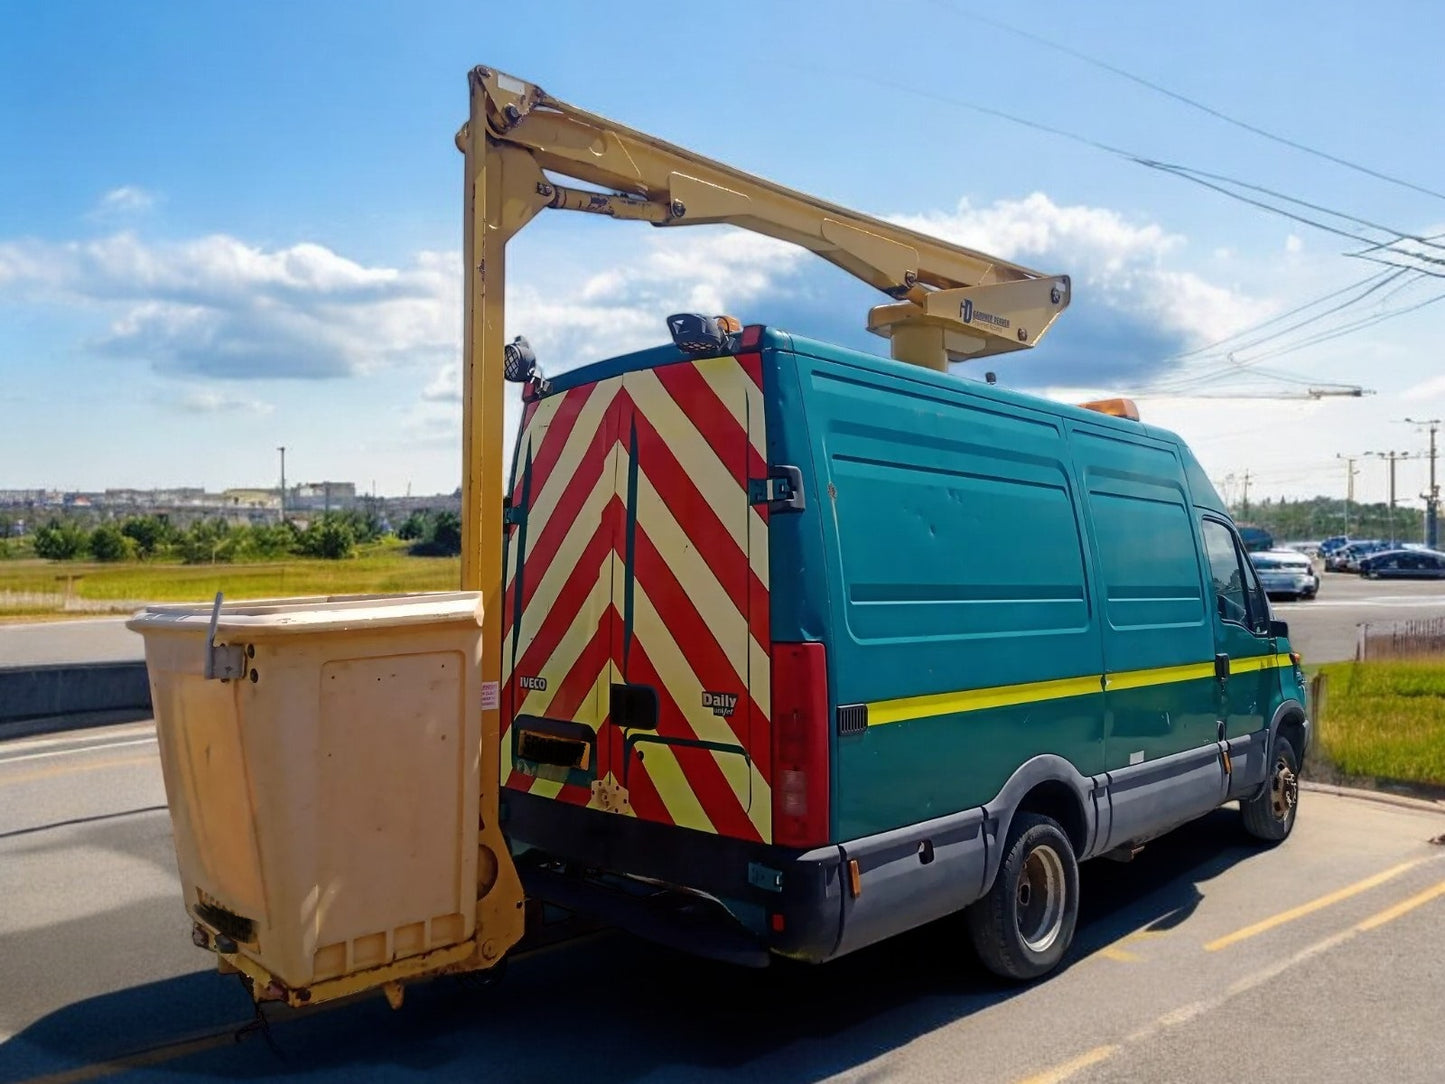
1024	925
1270	815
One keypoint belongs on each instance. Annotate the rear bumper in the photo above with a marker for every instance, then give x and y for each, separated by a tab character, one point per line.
759	887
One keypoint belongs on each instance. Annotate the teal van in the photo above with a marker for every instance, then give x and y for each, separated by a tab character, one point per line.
805	647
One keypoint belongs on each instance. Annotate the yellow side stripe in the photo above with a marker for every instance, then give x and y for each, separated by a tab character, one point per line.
1000	696
1163	675
882	712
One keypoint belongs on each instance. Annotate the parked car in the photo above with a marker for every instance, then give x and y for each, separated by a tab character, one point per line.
1255	539
1339	560
1402	564
1334	542
1352	562
1286	574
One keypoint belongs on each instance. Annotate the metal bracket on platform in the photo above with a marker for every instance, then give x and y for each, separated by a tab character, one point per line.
224	661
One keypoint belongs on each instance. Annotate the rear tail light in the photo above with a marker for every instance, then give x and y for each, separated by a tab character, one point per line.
800	745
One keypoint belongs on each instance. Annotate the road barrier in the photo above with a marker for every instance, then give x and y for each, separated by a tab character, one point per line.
1410	639
40	692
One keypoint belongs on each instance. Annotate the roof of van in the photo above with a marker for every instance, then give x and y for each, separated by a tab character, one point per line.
1202	489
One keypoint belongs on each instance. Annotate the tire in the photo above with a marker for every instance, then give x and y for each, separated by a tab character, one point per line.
1270	815
1025	923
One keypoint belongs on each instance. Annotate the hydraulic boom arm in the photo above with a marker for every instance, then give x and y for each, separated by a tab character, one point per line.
946	302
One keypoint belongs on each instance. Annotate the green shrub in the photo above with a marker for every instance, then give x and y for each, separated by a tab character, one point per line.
107	543
61	540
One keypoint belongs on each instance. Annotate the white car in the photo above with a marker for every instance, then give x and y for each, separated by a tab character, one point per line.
1286	574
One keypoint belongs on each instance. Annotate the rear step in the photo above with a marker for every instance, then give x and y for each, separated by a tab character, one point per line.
680	921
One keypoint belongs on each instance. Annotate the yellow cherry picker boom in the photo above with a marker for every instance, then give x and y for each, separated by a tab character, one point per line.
332	765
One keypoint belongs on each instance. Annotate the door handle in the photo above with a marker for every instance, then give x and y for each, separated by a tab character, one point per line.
1221	666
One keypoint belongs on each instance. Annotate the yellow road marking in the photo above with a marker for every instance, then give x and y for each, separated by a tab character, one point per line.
1195	1009
1311	907
1124	956
67	769
1403	907
1067	1069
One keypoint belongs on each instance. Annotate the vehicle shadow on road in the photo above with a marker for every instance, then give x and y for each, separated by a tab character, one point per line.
618	1009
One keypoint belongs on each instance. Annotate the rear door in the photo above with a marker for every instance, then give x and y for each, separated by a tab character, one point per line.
564	524
637	599
689	737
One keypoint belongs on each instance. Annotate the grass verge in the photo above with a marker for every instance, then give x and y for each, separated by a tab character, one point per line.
1384	722
39	588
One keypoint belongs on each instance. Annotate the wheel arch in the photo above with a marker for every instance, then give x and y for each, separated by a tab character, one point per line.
1048	785
1291	722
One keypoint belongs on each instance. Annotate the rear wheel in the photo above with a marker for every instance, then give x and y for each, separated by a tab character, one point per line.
1024	925
1270	815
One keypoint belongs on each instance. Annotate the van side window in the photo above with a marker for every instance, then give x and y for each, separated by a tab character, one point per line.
1254	591
1227	572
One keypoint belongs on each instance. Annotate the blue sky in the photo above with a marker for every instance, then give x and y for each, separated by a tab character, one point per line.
228	227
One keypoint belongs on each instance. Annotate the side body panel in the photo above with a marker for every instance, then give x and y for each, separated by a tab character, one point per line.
957	573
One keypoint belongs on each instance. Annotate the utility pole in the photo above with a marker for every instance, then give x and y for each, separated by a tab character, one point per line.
1432	495
282	450
1350	473
1245	513
1393	458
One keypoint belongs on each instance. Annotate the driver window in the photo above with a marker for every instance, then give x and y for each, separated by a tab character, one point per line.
1225	571
1258	602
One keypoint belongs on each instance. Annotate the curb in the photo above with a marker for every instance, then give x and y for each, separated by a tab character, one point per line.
81	720
1401	801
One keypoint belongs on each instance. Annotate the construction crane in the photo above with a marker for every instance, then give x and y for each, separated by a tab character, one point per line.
1316	392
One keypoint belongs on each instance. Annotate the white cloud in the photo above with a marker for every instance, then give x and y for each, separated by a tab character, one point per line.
224	308
128	199
210	401
220	307
1293	244
1430	389
446	385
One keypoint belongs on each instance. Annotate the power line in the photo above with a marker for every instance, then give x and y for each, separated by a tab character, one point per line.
1194	103
1214	182
1237	366
1277	318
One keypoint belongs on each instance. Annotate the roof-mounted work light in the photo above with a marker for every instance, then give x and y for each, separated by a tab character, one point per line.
519	361
694	333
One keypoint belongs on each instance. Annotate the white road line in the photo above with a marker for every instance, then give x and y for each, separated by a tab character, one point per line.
78	749
24	745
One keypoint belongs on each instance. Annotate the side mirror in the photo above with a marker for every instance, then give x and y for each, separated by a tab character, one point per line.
1279	628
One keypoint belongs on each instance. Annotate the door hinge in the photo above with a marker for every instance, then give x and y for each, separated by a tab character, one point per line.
1221	666
781	491
514	516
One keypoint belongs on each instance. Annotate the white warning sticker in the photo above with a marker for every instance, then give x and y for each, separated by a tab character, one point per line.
491	695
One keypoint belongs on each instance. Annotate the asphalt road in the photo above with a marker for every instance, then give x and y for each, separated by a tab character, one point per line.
1323	630
39	643
1205	959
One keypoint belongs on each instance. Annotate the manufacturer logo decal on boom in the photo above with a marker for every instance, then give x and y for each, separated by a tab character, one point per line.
970	315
